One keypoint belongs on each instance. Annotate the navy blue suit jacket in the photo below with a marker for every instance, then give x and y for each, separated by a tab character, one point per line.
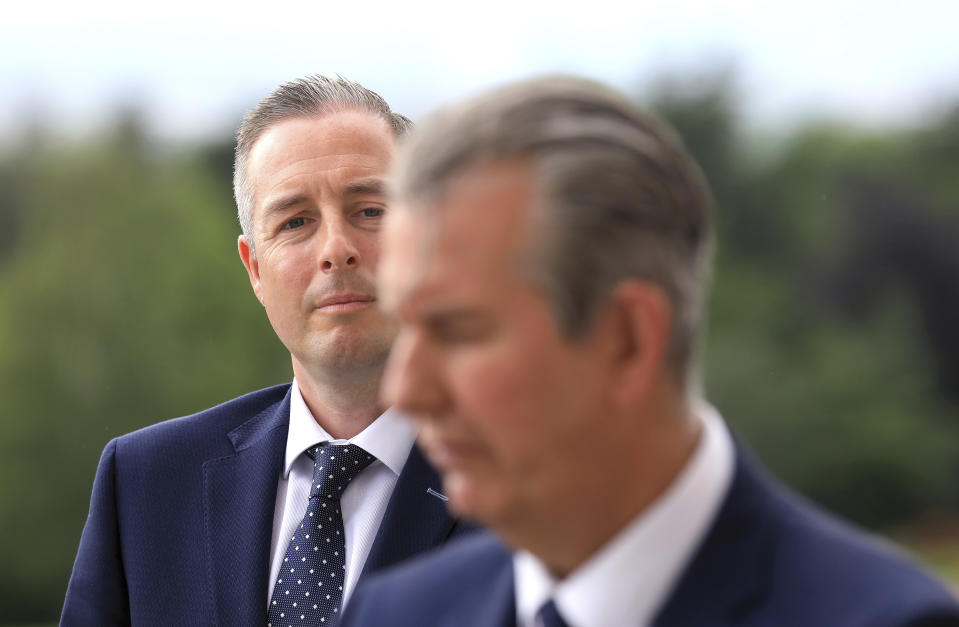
769	559
181	520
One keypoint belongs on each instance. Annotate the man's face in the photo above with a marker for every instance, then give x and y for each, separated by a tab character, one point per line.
318	188
502	399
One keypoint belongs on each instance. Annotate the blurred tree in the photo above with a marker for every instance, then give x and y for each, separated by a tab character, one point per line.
892	238
933	161
126	304
11	203
845	409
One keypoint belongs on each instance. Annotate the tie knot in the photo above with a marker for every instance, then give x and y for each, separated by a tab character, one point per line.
334	466
549	615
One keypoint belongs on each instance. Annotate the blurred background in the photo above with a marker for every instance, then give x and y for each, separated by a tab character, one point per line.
829	131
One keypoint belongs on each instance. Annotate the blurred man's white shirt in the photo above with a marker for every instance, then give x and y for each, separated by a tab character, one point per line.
630	577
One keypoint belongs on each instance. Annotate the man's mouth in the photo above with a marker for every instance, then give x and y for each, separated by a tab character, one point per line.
340	303
448	454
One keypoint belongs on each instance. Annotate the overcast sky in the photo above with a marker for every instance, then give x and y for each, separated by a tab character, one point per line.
196	66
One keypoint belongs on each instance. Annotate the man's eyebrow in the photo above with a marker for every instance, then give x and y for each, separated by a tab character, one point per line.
452	316
373	187
282	204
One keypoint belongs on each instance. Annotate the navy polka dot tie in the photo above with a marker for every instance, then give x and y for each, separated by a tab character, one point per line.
309	588
549	616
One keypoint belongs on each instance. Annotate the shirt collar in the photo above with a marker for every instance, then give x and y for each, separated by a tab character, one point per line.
389	438
630	577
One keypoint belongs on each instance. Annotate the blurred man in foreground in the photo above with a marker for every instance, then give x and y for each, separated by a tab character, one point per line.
268	508
548	257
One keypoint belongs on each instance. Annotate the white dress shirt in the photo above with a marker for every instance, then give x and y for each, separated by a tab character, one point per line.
364	501
631	576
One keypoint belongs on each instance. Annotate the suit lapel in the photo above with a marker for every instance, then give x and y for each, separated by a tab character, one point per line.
501	608
725	578
239	498
415	520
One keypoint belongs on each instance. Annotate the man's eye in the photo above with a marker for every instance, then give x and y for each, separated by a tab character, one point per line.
295	223
372	212
461	333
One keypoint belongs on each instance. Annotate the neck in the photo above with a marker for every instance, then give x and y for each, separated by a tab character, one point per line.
343	403
647	452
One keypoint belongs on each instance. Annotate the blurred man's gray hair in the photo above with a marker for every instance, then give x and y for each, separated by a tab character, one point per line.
308	97
619	196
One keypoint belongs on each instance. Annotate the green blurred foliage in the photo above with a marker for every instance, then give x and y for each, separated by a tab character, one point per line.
825	350
123	302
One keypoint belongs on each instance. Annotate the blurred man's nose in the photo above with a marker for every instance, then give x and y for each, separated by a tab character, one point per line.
411	382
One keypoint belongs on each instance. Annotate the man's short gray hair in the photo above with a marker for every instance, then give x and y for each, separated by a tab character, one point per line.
308	97
619	195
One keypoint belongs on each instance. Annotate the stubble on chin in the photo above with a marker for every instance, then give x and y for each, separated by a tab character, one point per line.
351	349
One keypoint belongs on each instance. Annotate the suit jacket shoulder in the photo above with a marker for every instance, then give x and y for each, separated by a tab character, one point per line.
174	502
769	559
469	582
208	432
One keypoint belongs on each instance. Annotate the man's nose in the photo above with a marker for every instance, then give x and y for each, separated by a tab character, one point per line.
411	380
338	250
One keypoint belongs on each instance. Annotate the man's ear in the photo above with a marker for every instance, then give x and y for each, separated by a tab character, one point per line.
250	263
638	323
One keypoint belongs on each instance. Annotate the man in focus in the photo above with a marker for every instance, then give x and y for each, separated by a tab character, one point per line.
269	508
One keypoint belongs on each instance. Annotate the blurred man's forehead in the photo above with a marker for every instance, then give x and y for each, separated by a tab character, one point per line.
463	241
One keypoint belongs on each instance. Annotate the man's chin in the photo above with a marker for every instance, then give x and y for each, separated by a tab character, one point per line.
469	500
348	352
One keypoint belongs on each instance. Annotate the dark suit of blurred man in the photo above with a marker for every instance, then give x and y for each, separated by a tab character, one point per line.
191	518
548	260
